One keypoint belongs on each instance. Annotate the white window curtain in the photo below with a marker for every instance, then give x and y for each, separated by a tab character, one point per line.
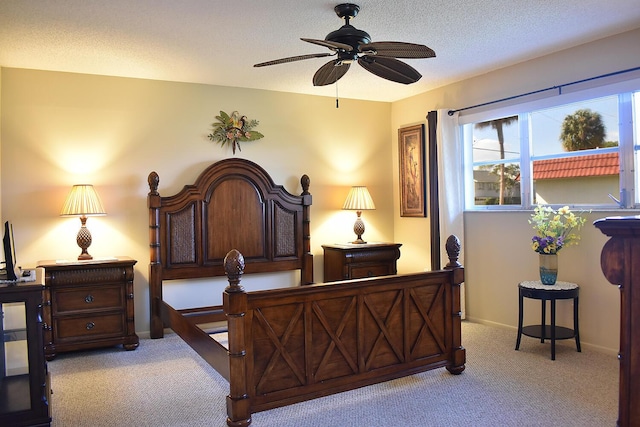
451	185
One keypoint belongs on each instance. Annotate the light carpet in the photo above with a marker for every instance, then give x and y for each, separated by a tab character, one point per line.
165	383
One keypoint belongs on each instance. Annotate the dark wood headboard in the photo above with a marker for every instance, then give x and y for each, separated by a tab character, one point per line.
233	204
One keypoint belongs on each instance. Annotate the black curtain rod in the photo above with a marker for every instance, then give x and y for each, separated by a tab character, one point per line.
559	87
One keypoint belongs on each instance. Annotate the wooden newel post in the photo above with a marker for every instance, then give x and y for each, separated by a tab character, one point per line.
458	352
307	257
235	308
155	266
620	259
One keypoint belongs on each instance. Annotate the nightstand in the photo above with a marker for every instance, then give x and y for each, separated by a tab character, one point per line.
88	304
357	261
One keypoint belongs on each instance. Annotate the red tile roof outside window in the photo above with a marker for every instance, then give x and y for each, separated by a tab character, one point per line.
573	167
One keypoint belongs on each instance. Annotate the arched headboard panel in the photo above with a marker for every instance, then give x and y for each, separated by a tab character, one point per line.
233	204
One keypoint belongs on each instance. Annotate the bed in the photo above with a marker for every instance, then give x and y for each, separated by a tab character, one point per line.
290	344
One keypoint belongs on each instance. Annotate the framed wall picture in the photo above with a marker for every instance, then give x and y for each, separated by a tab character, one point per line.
412	171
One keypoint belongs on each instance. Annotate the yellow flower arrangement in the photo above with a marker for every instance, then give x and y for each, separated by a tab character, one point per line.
554	229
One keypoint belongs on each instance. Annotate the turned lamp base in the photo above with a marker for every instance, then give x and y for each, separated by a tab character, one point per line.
84	239
358	228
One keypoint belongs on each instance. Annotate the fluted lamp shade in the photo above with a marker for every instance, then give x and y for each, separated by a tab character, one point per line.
359	200
83	201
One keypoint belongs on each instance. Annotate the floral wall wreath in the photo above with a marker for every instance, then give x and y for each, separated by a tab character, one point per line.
234	129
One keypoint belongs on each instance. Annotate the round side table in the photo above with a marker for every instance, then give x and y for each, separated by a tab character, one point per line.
536	290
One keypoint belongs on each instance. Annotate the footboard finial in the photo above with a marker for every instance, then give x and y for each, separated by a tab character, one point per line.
453	251
234	268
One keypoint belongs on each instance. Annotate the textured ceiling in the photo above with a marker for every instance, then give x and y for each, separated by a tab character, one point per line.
217	42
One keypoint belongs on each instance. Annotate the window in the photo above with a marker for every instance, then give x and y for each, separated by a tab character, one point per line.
580	153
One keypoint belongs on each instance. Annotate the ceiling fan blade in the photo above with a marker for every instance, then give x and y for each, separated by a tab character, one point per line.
397	50
331	45
390	69
292	59
330	73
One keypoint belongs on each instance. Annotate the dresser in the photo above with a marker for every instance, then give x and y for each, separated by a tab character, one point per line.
357	261
88	304
619	263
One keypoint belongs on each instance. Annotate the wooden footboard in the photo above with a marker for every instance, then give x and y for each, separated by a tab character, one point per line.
291	345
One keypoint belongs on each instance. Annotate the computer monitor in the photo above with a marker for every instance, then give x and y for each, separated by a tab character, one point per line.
9	253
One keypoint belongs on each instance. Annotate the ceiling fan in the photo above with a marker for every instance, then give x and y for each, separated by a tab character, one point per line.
351	44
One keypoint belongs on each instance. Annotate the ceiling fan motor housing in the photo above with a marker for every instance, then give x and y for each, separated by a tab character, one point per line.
348	34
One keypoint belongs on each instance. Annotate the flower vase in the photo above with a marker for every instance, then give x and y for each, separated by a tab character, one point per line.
548	269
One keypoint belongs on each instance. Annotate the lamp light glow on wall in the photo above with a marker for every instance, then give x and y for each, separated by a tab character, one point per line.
83	201
359	200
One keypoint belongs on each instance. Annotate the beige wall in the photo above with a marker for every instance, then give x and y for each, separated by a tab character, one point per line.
60	129
496	245
554	191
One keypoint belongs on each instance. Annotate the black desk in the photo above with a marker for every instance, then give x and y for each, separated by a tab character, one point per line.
25	390
561	290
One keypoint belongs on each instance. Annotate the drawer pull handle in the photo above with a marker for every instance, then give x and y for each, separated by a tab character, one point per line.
90	325
88	299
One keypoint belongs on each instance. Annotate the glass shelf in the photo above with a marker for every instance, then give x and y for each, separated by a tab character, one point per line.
14	359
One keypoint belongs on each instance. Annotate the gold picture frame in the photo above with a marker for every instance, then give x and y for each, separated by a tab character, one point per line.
412	171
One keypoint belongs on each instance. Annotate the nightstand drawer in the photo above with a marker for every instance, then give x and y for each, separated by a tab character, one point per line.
73	300
104	325
369	271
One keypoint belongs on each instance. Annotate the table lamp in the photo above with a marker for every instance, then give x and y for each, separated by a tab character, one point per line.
359	200
83	201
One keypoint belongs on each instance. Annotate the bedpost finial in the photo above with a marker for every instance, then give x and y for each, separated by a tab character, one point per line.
153	181
234	268
305	181
453	251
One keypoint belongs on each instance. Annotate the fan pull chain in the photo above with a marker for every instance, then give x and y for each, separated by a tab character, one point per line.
337	102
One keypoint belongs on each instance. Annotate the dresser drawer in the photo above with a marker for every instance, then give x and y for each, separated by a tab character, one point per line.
362	271
103	325
75	300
